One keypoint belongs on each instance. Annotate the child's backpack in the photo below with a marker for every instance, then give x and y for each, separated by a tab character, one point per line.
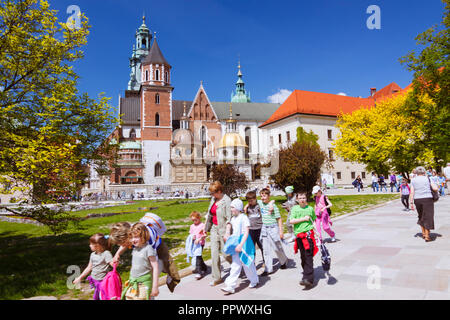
111	286
155	222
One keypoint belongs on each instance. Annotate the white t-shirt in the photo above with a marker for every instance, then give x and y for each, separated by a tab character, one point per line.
421	186
447	172
374	179
241	221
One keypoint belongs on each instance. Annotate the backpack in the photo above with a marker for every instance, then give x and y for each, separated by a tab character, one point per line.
111	286
155	222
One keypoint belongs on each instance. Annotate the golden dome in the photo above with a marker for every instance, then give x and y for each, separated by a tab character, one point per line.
232	139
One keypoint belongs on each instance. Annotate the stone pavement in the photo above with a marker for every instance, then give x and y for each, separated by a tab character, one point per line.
379	255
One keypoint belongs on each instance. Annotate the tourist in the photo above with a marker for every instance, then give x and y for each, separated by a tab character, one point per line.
374	181
412	175
399	181
197	234
441	184
290	202
321	211
253	212
218	214
358	184
119	235
271	232
303	217
99	265
381	182
405	190
239	224
447	177
393	181
422	198
144	273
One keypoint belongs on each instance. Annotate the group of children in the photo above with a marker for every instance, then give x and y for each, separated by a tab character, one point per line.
259	224
150	256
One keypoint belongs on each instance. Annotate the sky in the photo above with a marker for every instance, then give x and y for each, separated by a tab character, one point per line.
322	45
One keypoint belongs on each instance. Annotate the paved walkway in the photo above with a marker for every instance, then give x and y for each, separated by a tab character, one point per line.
383	241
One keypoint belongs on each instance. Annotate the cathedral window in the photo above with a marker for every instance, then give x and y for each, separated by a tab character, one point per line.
146	75
158	169
133	134
157	98
157	75
203	137
166	76
157	119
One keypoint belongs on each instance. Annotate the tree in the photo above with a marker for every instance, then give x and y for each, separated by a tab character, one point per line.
231	178
48	130
383	137
300	165
431	69
310	136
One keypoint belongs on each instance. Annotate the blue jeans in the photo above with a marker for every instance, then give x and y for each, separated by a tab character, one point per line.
374	185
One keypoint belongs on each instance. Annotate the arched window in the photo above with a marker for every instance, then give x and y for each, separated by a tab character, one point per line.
157	98
144	43
166	76
157	74
203	137
146	75
133	134
158	169
157	119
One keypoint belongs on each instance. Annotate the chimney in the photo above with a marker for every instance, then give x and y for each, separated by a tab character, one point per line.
372	91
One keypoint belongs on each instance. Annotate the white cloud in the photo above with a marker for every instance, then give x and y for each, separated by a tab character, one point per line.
342	94
280	96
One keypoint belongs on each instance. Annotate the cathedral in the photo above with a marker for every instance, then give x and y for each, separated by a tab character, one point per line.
166	144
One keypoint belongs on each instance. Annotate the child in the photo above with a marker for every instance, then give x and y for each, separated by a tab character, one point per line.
144	271
290	202
119	235
271	232
441	184
240	224
405	191
253	212
198	237
99	263
321	211
302	217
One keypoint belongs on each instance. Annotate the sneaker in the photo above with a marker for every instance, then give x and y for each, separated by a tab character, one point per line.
227	290
265	274
283	266
253	285
333	239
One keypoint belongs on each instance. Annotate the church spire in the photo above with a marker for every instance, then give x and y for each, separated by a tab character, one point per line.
240	94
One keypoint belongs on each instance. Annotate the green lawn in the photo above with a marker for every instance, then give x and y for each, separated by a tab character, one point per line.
34	262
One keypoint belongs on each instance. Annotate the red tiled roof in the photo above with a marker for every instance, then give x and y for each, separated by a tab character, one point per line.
326	104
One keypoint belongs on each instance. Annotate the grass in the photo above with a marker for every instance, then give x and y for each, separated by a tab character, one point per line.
33	262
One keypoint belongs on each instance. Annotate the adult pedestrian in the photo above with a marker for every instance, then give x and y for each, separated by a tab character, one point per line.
393	181
382	182
447	177
374	181
359	184
217	217
422	199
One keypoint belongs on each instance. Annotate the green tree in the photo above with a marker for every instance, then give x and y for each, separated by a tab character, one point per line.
310	136
49	131
300	165
231	178
431	69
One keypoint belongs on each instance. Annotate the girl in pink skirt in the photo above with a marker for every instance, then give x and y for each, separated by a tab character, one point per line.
323	218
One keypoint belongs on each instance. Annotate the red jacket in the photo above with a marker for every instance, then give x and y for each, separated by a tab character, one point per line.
304	237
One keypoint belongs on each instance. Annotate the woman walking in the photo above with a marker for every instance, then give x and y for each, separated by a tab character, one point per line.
219	214
422	198
321	211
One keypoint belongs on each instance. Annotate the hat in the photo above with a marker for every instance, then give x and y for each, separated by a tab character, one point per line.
237	204
289	189
316	189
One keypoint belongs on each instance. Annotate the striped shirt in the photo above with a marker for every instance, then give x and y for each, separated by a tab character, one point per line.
267	218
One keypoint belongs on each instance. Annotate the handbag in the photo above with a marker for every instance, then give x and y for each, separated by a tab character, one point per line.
434	194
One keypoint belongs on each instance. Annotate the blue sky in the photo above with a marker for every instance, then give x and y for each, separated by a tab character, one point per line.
321	45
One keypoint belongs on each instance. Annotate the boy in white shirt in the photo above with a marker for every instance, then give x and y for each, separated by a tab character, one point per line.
239	224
